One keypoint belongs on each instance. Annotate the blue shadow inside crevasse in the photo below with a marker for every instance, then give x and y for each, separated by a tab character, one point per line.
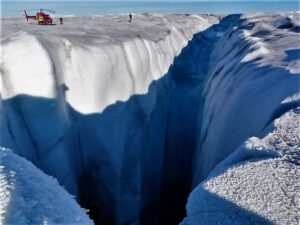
98	182
130	163
293	54
133	163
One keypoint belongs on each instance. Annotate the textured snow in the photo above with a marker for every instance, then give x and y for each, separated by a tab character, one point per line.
28	196
257	184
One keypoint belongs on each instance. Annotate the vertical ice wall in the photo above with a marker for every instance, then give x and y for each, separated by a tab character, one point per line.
252	89
94	115
250	83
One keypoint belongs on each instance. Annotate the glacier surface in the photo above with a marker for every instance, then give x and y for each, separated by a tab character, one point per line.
28	196
131	117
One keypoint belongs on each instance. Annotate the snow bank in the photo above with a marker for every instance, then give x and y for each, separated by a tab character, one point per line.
28	196
257	184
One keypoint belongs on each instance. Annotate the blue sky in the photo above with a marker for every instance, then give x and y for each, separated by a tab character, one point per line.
154	0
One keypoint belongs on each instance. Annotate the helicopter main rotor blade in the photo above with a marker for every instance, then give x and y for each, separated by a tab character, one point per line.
48	10
22	10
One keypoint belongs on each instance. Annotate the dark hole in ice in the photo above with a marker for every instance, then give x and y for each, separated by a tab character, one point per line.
287	24
295	29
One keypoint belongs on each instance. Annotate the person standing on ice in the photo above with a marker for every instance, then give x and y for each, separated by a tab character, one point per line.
130	17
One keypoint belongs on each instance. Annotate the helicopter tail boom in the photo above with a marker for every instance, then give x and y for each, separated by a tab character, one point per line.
29	17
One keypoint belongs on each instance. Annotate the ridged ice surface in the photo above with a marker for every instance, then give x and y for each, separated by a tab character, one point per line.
107	58
253	79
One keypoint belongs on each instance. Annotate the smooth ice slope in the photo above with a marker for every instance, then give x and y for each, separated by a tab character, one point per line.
28	196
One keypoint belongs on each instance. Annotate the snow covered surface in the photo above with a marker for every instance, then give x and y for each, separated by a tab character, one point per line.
136	130
258	183
130	55
28	196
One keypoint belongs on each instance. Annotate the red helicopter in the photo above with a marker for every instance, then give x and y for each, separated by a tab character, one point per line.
41	17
